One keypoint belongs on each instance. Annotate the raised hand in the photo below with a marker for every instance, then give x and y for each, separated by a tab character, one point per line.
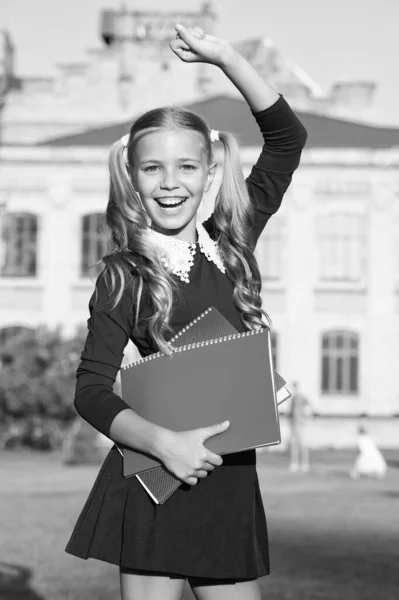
185	455
194	45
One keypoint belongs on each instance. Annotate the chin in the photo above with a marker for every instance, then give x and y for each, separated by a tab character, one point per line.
168	227
172	222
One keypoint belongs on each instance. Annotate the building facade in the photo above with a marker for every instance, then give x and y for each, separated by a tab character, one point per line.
329	258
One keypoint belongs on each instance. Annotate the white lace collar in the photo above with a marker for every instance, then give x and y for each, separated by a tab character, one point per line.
179	255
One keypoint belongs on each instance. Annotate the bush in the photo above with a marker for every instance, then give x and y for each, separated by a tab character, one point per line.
37	384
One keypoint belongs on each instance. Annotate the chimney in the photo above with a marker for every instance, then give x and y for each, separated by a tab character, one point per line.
107	26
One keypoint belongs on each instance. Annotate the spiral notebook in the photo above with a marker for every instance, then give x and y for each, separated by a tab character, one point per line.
209	329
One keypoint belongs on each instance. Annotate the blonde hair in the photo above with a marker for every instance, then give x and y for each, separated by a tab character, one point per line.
132	261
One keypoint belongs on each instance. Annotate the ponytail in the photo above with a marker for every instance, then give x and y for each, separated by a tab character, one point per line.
234	216
133	261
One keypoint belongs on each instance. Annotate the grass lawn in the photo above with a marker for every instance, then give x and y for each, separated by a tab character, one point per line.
330	537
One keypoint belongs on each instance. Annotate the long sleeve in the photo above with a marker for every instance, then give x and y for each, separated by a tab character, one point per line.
284	139
108	334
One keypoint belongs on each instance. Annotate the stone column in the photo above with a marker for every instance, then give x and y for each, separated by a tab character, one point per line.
381	340
55	265
299	362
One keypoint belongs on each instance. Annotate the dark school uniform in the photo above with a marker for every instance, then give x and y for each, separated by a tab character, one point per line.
217	528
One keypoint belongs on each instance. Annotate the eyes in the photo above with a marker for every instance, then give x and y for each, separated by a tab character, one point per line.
153	168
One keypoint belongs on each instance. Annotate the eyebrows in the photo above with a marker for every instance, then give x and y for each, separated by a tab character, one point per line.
158	161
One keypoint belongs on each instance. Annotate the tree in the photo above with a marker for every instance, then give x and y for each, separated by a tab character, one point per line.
37	383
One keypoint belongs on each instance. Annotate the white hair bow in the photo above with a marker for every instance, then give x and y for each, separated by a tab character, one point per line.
125	140
214	135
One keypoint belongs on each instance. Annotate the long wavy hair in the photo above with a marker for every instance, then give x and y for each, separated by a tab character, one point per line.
132	261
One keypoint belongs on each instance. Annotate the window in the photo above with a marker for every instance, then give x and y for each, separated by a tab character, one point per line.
18	256
342	244
94	245
340	363
269	251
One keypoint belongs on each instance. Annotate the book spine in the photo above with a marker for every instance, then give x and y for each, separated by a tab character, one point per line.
158	354
219	340
187	327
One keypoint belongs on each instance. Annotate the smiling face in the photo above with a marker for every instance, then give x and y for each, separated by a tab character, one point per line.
170	172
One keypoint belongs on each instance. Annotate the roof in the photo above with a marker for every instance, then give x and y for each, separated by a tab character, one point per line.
227	113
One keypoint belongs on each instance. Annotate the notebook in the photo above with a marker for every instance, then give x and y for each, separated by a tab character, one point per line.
210	327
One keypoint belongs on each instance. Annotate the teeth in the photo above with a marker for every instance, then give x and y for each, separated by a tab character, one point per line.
170	201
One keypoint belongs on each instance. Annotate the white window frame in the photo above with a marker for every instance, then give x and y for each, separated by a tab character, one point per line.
270	250
342	254
19	238
93	244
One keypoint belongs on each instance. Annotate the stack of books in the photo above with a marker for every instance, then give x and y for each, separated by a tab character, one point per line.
214	374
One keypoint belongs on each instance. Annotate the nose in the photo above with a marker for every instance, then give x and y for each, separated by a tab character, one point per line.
169	179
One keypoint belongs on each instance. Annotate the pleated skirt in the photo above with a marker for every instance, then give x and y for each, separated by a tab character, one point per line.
215	529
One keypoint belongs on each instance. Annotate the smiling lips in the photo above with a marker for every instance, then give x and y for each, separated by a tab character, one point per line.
166	201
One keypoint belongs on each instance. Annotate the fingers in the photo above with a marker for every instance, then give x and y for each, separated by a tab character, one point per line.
210	465
179	44
199	474
182	50
215	429
195	31
203	471
200	32
215	459
204	467
188	35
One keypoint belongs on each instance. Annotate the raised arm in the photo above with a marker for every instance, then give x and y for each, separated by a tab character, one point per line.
283	134
284	138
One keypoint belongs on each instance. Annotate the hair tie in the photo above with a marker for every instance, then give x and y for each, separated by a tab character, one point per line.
214	135
125	140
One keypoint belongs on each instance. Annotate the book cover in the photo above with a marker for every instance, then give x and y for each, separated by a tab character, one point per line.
210	325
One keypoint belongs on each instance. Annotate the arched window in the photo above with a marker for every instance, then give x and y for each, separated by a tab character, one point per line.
94	244
18	256
342	245
340	363
269	251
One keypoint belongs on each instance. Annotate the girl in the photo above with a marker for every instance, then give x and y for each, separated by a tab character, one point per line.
370	460
164	269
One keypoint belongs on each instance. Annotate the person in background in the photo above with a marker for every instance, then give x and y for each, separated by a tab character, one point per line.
370	461
299	411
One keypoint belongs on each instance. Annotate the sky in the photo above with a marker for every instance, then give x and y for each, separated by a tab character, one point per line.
334	40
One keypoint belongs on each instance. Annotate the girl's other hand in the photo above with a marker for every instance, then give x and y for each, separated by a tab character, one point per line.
185	455
194	45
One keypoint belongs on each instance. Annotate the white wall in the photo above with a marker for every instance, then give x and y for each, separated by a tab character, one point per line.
60	185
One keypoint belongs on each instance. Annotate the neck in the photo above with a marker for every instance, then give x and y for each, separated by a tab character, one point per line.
189	235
